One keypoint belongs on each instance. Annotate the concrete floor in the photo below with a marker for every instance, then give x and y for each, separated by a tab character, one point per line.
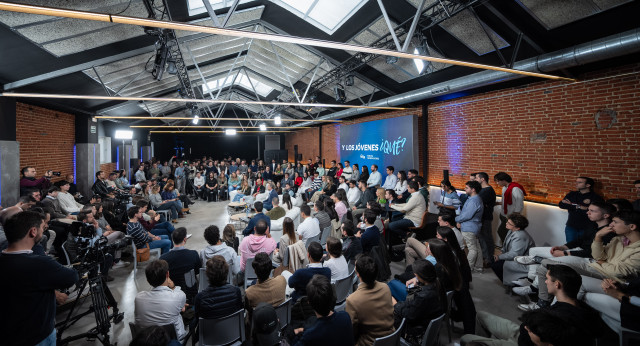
487	291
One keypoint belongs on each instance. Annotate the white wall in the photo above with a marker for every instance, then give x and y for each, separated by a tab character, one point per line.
546	222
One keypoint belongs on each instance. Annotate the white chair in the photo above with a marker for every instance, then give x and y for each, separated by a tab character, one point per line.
156	251
390	340
227	330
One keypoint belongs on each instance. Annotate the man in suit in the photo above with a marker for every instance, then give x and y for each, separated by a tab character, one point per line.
254	220
268	203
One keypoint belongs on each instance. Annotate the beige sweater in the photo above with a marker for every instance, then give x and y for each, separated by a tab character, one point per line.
413	209
621	263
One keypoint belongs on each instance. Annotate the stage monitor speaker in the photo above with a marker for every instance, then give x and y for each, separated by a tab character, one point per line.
445	175
277	155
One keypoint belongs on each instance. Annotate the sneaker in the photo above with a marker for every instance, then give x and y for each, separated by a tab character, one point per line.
174	221
189	235
528	260
120	264
522	282
478	270
529	307
522	291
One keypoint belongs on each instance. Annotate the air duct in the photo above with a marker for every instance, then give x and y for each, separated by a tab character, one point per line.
609	47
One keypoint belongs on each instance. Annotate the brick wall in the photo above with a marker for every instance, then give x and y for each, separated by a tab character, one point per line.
544	135
108	167
307	139
46	139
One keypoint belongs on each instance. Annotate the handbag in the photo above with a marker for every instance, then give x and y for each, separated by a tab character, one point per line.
143	254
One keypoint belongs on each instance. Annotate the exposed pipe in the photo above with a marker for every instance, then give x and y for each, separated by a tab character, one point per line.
624	43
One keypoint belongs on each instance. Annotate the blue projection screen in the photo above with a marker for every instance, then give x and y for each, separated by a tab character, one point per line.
387	142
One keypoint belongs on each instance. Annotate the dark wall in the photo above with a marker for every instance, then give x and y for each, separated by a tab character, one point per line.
216	146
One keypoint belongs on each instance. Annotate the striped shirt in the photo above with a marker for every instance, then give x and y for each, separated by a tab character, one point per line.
139	234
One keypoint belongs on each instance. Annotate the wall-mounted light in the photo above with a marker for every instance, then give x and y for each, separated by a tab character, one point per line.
124	134
230	132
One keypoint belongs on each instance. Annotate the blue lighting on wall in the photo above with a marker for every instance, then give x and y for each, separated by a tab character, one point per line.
117	157
94	163
455	138
451	96
74	164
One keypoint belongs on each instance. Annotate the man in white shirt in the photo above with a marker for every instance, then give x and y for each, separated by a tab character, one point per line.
342	184
391	180
336	262
413	211
375	178
512	200
163	304
309	226
67	202
354	193
347	171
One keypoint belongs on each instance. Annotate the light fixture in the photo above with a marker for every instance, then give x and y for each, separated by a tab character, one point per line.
124	134
171	66
392	60
338	92
263	127
277	120
348	80
230	132
153	23
196	120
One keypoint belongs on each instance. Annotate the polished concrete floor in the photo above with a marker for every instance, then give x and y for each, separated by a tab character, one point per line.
488	293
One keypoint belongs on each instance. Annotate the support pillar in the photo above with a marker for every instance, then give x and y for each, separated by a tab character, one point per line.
9	154
145	153
87	153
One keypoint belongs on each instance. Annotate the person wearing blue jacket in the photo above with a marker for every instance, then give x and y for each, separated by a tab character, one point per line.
470	221
268	203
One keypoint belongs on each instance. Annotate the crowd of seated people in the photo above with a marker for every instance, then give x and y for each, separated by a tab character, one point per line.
598	266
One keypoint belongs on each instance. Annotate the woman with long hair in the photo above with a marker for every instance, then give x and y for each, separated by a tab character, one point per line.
450	199
330	208
365	173
355	176
289	237
159	203
243	191
286	202
380	197
229	237
402	184
297	181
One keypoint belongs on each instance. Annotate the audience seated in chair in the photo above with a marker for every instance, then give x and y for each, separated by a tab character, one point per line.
258	206
412	210
220	299
300	278
181	261
309	226
163	303
267	289
516	243
370	237
351	245
330	328
260	241
324	220
141	237
271	195
336	262
370	306
276	211
618	304
218	247
288	237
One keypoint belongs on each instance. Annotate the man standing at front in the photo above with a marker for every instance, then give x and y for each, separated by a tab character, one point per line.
577	203
488	196
512	200
470	223
29	283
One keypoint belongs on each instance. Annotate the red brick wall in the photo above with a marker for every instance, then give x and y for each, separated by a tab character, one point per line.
544	135
46	139
108	167
307	139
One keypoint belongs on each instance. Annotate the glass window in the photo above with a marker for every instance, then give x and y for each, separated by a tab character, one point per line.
242	80
326	15
197	6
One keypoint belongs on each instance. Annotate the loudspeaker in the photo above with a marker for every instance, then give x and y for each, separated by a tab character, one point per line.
445	175
277	155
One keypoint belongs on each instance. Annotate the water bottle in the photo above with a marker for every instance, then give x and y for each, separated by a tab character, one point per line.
246	208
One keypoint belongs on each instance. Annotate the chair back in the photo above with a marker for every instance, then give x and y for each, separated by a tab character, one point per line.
169	328
391	340
190	278
315	238
284	313
432	334
204	281
285	256
325	234
249	273
222	331
344	287
423	223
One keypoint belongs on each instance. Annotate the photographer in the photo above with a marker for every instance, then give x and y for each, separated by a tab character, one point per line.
29	180
29	283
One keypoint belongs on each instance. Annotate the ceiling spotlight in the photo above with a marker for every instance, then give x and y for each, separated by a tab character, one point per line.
338	92
196	120
392	60
171	66
277	120
313	98
263	127
348	80
230	132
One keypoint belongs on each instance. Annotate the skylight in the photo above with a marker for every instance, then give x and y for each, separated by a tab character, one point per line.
197	6
242	80
419	63
323	14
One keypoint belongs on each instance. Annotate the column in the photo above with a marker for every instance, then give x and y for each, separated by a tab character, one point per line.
9	154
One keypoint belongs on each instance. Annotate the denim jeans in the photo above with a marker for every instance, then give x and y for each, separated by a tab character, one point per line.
173	206
49	340
398	290
164	244
572	233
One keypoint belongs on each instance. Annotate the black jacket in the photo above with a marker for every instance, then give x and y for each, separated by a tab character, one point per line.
216	302
351	247
578	217
366	196
422	305
100	188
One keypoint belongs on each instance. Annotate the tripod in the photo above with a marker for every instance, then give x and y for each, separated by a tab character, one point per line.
101	300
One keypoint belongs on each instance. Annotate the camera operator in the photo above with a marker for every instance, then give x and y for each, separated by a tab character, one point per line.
112	235
91	224
28	284
51	202
29	180
100	187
